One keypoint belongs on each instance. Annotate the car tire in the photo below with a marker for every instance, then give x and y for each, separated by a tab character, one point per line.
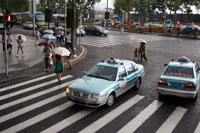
160	97
105	34
97	33
195	98
110	100
86	33
137	83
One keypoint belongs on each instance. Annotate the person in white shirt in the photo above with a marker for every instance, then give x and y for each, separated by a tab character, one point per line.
37	37
9	43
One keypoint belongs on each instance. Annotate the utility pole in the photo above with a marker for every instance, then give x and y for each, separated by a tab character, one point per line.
107	18
48	3
5	41
65	19
73	30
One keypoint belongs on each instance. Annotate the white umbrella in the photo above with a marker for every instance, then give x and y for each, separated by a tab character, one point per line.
61	51
23	37
60	28
141	41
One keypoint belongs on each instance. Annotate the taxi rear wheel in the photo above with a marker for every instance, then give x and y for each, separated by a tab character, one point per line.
137	83
110	100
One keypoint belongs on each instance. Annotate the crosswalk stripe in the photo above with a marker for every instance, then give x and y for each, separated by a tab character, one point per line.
111	115
26	82
97	44
101	42
32	88
91	45
197	130
34	95
38	118
31	107
172	120
68	121
140	118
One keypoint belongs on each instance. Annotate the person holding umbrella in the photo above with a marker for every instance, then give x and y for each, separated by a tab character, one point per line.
142	49
58	67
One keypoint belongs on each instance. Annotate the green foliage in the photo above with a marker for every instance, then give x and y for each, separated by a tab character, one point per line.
15	5
48	15
70	18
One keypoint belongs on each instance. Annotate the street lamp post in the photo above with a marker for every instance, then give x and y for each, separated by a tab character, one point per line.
65	18
48	3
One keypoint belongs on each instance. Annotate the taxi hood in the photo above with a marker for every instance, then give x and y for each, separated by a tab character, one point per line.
91	85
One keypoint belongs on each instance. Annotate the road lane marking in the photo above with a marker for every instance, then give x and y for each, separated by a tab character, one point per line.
95	126
172	120
91	45
34	95
38	118
33	87
68	121
31	107
25	82
140	118
197	130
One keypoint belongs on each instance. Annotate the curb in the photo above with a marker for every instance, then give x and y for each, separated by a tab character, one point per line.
27	77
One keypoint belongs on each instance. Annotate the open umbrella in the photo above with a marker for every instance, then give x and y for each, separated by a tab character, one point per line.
141	41
189	26
48	36
22	36
43	44
196	27
169	25
61	51
60	28
48	31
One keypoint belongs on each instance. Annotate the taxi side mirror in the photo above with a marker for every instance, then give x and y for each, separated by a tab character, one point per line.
165	64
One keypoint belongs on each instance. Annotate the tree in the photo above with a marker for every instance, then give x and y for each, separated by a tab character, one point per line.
174	5
15	5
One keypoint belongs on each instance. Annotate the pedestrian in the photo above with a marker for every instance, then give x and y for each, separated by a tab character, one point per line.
62	35
143	51
69	58
58	35
68	39
58	67
9	43
3	41
20	45
37	37
136	54
47	50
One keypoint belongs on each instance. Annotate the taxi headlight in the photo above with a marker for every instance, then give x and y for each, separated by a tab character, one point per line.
95	96
68	90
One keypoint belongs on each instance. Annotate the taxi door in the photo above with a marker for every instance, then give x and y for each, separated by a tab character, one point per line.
131	77
122	80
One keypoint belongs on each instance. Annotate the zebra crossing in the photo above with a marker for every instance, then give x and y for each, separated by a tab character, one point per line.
43	107
98	42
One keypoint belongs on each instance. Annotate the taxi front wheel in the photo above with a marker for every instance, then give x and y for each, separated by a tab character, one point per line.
110	100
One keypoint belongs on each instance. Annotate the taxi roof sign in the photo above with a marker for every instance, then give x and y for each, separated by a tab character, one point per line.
183	59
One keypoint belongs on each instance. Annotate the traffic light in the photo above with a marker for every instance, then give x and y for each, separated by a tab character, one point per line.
8	18
163	17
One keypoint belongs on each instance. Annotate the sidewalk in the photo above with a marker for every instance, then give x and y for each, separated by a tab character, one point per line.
31	64
156	33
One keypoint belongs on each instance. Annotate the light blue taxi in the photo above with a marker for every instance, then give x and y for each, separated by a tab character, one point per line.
180	78
105	81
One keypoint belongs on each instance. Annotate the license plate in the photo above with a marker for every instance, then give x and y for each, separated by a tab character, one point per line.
79	100
176	85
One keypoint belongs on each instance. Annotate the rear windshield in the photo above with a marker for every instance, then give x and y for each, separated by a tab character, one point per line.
179	72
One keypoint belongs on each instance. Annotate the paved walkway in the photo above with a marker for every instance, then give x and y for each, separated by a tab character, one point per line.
32	56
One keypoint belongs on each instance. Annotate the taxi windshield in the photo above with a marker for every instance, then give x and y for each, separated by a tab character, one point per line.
179	72
103	72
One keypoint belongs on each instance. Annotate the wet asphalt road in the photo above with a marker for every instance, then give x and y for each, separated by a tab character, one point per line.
160	50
